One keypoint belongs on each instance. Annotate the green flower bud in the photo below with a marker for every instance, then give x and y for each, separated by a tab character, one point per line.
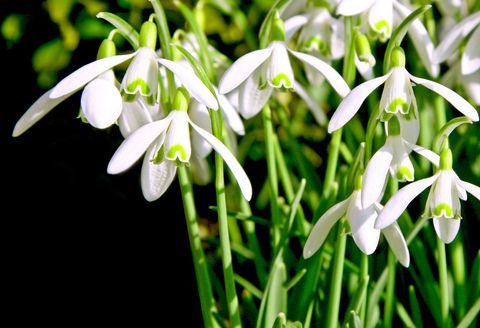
398	58
107	49
446	158
181	100
363	50
148	35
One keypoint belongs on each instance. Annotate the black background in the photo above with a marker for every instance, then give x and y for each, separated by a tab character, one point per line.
78	245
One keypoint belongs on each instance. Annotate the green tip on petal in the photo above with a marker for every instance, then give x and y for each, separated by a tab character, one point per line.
107	49
281	80
181	100
398	105
278	29
446	158
177	152
383	29
398	58
393	126
159	156
443	210
148	35
404	174
138	85
315	43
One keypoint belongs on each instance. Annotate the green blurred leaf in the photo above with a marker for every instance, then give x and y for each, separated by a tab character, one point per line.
12	28
51	57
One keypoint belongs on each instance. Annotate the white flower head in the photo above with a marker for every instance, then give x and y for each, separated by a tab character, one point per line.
361	220
257	73
443	202
397	97
167	143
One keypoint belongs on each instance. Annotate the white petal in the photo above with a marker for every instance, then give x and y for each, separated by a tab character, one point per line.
251	98
447	229
396	95
471	56
198	113
141	76
177	140
410	126
337	40
37	111
362	221
242	68
332	76
230	160
231	115
313	105
352	102
364	68
192	83
380	18
470	188
101	103
134	115
279	71
293	24
375	175
451	96
354	7
156	178
427	153
200	170
323	226
420	39
397	243
136	144
472	86
399	202
85	74
453	39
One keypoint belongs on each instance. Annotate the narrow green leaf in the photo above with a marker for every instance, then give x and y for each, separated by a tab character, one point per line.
471	315
415	308
289	285
249	286
264	33
125	29
448	128
404	316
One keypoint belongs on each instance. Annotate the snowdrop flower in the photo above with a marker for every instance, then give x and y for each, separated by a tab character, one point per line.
101	103
257	73
393	156
361	220
443	202
167	144
470	61
397	97
382	15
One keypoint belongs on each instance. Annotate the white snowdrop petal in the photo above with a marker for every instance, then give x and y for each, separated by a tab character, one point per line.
397	243
177	140
352	102
41	107
134	115
322	227
380	18
279	72
399	202
85	74
191	82
451	96
472	86
452	40
141	76
313	105
362	221
242	69
471	55
332	76
293	24
101	103
237	170
198	113
353	7
427	153
446	229
396	95
470	188
251	98
136	144
231	115
375	175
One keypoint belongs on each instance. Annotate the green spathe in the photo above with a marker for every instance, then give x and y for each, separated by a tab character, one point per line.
398	58
181	100
278	29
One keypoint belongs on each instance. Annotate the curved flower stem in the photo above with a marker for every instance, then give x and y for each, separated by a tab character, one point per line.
272	172
226	253
443	275
390	291
200	264
364	275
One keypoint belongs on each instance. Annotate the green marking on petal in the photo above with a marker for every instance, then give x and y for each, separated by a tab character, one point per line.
159	156
444	210
130	97
138	85
398	105
177	151
383	30
404	174
281	80
316	43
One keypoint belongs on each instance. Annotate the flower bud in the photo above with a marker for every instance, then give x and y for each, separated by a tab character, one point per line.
363	50
148	35
446	158
107	49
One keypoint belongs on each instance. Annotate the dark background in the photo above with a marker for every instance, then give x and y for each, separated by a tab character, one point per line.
78	245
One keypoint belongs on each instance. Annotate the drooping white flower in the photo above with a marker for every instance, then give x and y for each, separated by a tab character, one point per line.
397	97
383	15
257	73
470	61
167	143
392	157
443	202
361	220
101	101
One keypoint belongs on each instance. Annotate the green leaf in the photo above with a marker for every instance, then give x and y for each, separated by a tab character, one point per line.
125	29
275	297
264	33
399	33
447	129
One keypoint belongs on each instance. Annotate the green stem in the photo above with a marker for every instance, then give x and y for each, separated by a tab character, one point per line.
364	275
336	279
272	173
226	253
443	275
332	161
470	316
390	291
207	301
